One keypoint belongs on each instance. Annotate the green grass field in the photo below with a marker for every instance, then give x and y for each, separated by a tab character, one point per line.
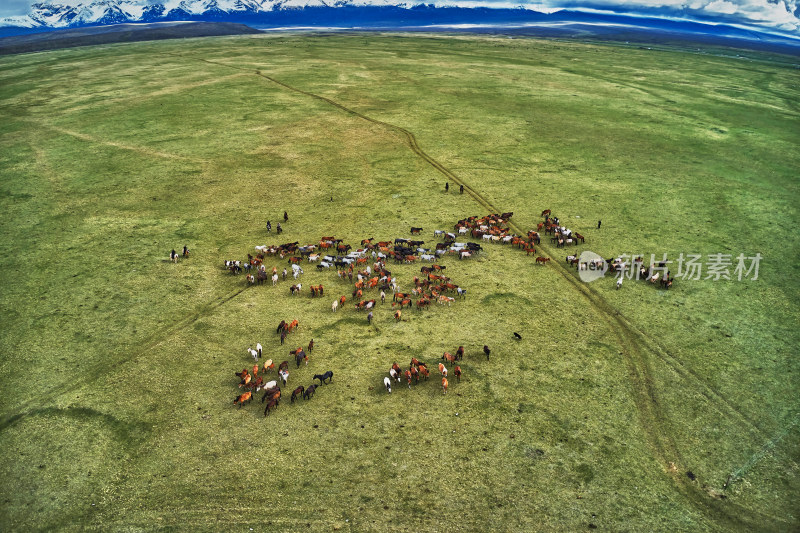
118	366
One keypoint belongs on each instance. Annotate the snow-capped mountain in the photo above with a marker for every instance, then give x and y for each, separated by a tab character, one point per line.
72	13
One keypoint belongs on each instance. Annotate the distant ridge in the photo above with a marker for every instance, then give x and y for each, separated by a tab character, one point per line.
420	18
118	33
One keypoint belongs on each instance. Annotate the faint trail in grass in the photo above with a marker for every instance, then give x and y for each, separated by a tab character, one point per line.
107	102
93	372
760	454
113	144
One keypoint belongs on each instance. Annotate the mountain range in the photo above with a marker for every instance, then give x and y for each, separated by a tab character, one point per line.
47	16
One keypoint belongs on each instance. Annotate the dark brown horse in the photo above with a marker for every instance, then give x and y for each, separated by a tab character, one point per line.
297	392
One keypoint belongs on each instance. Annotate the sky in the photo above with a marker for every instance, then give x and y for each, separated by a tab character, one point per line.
770	15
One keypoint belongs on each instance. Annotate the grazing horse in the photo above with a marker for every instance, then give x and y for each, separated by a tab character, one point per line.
269	365
542	260
297	392
322	377
423	370
457	372
246	397
397	315
271	405
444	385
299	357
256	384
402	303
281	326
416	231
272	393
442	370
545	213
408	378
335	305
460	353
448	357
487	351
309	392
388	384
296	288
267	386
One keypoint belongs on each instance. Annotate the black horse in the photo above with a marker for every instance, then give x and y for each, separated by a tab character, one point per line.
326	376
298	357
309	392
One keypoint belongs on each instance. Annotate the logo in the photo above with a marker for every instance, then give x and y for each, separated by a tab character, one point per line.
591	266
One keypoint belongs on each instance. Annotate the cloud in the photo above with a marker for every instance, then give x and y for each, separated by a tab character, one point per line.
10	8
721	6
774	14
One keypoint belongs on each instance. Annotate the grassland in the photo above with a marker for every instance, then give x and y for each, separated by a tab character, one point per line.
117	366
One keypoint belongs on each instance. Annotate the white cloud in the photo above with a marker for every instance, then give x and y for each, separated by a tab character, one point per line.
721	6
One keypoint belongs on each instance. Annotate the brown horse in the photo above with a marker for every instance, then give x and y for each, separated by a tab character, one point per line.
423	370
309	392
246	397
542	260
297	392
271	405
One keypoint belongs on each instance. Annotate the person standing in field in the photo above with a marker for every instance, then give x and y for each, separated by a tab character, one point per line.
285	216
461	189
598	223
446	186
269	226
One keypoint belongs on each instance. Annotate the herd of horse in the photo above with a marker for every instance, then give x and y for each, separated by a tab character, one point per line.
253	383
366	269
